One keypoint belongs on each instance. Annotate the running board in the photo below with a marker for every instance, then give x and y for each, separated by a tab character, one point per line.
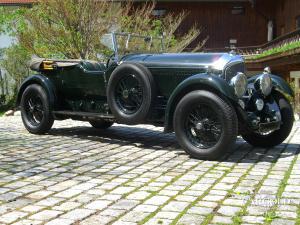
84	115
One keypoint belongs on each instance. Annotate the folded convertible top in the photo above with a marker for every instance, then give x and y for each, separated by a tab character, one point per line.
40	64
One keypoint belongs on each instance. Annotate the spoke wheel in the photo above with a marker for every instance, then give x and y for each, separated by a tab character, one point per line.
35	110
203	127
129	94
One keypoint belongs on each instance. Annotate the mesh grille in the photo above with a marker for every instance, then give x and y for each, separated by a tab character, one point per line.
232	70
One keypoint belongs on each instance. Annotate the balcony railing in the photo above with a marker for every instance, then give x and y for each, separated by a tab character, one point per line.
259	49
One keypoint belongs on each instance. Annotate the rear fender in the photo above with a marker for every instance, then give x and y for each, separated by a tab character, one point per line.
45	83
203	81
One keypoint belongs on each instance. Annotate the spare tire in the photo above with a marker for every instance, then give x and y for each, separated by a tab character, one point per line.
130	93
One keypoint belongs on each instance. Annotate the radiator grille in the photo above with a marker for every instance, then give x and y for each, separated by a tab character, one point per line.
233	69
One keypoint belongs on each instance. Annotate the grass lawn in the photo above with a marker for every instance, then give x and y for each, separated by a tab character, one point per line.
1	113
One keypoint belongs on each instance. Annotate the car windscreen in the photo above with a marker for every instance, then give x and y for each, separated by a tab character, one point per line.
131	43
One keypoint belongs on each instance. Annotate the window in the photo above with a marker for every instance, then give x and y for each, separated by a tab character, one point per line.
238	10
298	22
159	12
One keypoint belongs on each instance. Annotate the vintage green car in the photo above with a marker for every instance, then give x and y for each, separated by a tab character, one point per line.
204	97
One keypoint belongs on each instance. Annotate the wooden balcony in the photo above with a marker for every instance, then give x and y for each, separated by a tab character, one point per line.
279	42
282	54
256	50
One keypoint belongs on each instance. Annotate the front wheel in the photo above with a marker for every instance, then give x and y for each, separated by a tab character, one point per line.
205	125
267	140
35	110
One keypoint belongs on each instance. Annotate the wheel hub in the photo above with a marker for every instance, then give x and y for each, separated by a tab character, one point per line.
31	109
204	128
203	125
199	126
129	94
125	94
35	111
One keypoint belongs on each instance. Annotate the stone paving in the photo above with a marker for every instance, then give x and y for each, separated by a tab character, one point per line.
138	175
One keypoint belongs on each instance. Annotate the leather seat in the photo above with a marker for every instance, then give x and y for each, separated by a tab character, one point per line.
93	65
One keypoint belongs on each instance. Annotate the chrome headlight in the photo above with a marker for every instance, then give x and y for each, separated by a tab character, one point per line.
239	83
264	83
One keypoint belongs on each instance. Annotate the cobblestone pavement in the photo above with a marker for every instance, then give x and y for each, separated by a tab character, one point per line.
135	175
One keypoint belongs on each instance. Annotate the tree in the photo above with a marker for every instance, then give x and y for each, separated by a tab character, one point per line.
68	29
1	77
15	62
13	59
141	21
72	28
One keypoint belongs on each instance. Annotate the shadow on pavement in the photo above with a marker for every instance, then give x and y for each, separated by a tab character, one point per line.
157	140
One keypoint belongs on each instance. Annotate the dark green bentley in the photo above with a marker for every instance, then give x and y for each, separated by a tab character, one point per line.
205	98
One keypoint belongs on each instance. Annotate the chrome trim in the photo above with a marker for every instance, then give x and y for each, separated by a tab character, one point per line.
227	59
260	104
267	70
258	84
239	77
231	64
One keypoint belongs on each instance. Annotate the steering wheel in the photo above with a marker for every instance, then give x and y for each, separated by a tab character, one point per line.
109	59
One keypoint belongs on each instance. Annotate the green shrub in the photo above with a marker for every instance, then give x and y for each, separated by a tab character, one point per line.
277	50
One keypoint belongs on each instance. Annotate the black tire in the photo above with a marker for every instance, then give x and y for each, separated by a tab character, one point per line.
130	93
101	124
35	110
278	136
219	112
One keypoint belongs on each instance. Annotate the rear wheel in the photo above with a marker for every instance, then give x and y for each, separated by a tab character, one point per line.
276	137
35	110
101	124
205	125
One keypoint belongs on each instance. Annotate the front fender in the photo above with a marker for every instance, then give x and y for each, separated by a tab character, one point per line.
196	82
279	84
44	82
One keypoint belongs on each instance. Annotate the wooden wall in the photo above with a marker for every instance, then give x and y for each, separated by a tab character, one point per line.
220	25
285	16
249	29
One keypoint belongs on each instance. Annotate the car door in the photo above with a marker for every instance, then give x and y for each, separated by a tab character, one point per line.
83	82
